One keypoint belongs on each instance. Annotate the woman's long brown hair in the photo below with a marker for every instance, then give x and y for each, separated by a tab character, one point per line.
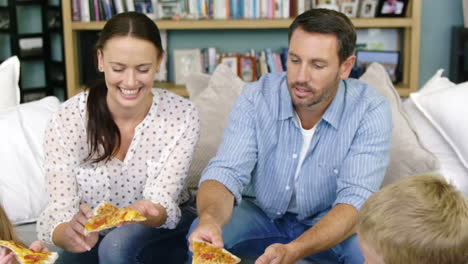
102	130
7	232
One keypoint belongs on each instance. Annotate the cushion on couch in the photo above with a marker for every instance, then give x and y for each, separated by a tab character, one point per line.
213	97
408	155
435	119
22	184
9	78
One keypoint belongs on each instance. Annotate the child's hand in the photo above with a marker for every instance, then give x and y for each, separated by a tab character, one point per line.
38	246
6	257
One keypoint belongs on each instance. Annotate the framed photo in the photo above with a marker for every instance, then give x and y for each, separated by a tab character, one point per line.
328	4
389	59
368	8
392	8
349	8
247	68
232	62
169	9
186	61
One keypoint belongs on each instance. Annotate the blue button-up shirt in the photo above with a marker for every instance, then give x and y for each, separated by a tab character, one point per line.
345	163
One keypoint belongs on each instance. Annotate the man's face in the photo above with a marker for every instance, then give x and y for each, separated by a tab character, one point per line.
314	69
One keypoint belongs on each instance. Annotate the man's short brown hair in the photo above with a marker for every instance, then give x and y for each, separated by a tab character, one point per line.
419	219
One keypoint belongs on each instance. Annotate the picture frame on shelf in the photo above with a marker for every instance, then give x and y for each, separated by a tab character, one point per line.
349	7
392	8
169	9
232	62
368	8
247	68
389	59
186	61
327	4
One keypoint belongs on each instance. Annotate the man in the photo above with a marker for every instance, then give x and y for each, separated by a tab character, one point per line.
306	148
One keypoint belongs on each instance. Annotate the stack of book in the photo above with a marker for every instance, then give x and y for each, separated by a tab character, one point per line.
247	66
100	10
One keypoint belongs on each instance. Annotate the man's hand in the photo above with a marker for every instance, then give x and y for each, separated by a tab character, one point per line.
6	256
278	254
207	231
70	236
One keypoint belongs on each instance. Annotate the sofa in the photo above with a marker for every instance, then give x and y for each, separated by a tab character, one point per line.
427	135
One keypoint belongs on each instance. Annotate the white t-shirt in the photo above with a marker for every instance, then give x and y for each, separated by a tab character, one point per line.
307	135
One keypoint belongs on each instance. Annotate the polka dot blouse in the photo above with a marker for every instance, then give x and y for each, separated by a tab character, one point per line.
155	166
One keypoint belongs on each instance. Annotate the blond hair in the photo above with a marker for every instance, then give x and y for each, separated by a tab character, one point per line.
7	232
419	219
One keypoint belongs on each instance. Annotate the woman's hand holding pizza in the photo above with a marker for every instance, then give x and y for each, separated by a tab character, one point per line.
145	208
74	238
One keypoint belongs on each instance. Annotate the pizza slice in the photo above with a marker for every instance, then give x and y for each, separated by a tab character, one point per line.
27	256
206	253
107	216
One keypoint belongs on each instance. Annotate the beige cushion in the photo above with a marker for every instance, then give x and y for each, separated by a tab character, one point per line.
213	97
408	155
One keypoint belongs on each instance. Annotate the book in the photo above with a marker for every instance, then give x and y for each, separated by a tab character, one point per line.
76	13
119	6
84	8
465	12
129	5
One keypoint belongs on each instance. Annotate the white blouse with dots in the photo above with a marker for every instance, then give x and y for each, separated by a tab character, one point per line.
155	166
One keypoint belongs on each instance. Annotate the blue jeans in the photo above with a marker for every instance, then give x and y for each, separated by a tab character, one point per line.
250	232
136	244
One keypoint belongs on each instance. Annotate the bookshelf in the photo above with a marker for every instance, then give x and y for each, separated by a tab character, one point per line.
411	26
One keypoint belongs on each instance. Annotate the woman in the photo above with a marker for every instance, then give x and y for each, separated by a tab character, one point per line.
8	233
126	144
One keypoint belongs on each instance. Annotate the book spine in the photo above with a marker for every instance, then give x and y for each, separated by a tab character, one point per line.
96	10
118	4
92	15
85	17
130	5
76	13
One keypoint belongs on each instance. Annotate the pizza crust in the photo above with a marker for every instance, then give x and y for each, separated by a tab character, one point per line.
27	256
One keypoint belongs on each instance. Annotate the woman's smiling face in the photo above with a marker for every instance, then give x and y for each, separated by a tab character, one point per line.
129	65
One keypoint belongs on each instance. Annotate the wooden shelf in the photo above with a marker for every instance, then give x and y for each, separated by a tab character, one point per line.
411	26
204	24
403	89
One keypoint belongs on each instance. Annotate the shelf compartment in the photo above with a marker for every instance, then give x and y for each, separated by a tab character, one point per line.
249	24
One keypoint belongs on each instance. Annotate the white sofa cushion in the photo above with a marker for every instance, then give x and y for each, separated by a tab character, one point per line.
447	110
9	78
22	185
445	138
408	155
213	97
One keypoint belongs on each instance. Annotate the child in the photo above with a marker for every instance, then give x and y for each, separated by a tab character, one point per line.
8	233
420	219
